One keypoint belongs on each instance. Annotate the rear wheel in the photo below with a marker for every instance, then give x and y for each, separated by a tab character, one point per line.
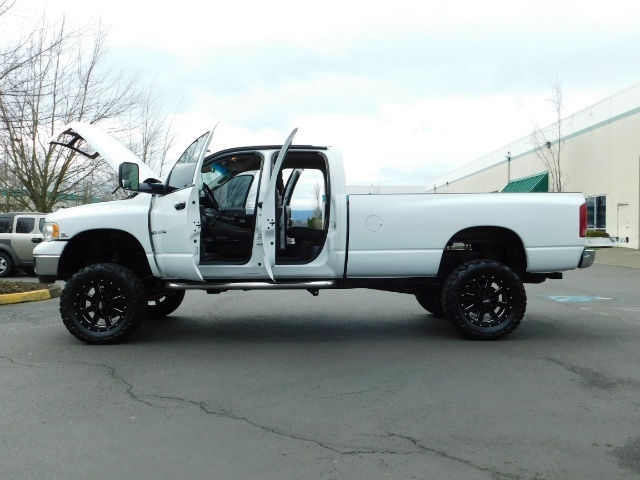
484	299
164	305
103	303
6	265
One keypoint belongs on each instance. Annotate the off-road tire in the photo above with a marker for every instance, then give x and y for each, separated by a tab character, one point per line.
431	301
164	305
6	265
484	299
103	303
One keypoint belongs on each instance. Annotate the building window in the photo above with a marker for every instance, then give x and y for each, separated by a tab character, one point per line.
597	212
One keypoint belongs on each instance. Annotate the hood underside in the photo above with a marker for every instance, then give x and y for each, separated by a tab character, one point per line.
112	151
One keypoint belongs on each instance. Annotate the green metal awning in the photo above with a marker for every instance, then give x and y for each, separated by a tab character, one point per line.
534	183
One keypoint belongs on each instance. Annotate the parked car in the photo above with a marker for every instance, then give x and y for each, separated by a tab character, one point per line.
20	232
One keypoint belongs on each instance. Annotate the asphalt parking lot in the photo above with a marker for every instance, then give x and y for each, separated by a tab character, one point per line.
351	384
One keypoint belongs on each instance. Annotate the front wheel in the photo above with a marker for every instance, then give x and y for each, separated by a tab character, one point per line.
484	299
103	303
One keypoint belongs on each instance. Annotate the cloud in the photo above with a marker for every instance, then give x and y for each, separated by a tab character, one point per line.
409	91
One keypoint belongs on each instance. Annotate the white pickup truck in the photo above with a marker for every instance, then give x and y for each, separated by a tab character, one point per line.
226	221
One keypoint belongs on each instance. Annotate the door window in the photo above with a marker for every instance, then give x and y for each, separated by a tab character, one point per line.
181	175
229	220
25	224
597	212
302	208
307	199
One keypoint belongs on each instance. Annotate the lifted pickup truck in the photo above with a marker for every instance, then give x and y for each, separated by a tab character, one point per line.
225	221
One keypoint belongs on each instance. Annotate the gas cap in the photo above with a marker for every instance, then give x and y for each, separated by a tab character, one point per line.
374	223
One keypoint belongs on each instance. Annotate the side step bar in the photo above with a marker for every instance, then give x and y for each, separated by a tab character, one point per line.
311	286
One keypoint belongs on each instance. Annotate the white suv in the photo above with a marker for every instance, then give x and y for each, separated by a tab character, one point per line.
20	232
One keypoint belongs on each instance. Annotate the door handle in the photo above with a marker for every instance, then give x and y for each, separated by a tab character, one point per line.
36	240
180	205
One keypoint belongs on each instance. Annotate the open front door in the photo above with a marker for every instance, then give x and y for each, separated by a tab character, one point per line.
267	210
175	217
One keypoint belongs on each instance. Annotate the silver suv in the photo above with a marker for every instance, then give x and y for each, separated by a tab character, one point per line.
20	232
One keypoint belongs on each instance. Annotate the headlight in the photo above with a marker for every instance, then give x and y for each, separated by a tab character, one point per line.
51	232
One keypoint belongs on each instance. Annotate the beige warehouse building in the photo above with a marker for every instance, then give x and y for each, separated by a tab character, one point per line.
600	157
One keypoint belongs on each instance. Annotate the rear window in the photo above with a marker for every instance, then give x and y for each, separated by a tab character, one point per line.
6	225
25	224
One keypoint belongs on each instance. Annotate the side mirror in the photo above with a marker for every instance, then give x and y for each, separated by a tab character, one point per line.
129	176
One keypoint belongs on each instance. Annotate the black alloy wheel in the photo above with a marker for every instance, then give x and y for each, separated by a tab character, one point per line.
103	303
484	299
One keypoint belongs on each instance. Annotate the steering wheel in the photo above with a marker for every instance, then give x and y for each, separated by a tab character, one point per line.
209	194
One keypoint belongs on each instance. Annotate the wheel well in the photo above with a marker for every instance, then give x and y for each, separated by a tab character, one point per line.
103	246
494	243
12	255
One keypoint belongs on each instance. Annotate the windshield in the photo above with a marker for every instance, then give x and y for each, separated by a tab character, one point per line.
215	176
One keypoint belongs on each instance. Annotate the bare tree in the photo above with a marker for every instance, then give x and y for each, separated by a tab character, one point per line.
12	54
150	136
15	54
60	81
548	143
5	6
316	195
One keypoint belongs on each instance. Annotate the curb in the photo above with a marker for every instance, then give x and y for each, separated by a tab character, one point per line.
52	292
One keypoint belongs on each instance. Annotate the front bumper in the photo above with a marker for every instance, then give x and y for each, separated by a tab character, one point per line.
588	256
46	257
46	267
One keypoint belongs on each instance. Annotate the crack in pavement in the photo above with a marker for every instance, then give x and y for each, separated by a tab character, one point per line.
344	394
129	391
416	446
226	414
592	378
446	455
112	374
18	363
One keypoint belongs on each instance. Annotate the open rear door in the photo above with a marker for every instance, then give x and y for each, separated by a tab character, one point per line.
267	210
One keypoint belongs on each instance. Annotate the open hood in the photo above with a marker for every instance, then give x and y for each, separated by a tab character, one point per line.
112	151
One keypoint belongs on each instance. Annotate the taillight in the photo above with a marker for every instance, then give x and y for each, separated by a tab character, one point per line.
583	220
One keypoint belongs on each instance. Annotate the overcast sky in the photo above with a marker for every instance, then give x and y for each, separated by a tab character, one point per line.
408	90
